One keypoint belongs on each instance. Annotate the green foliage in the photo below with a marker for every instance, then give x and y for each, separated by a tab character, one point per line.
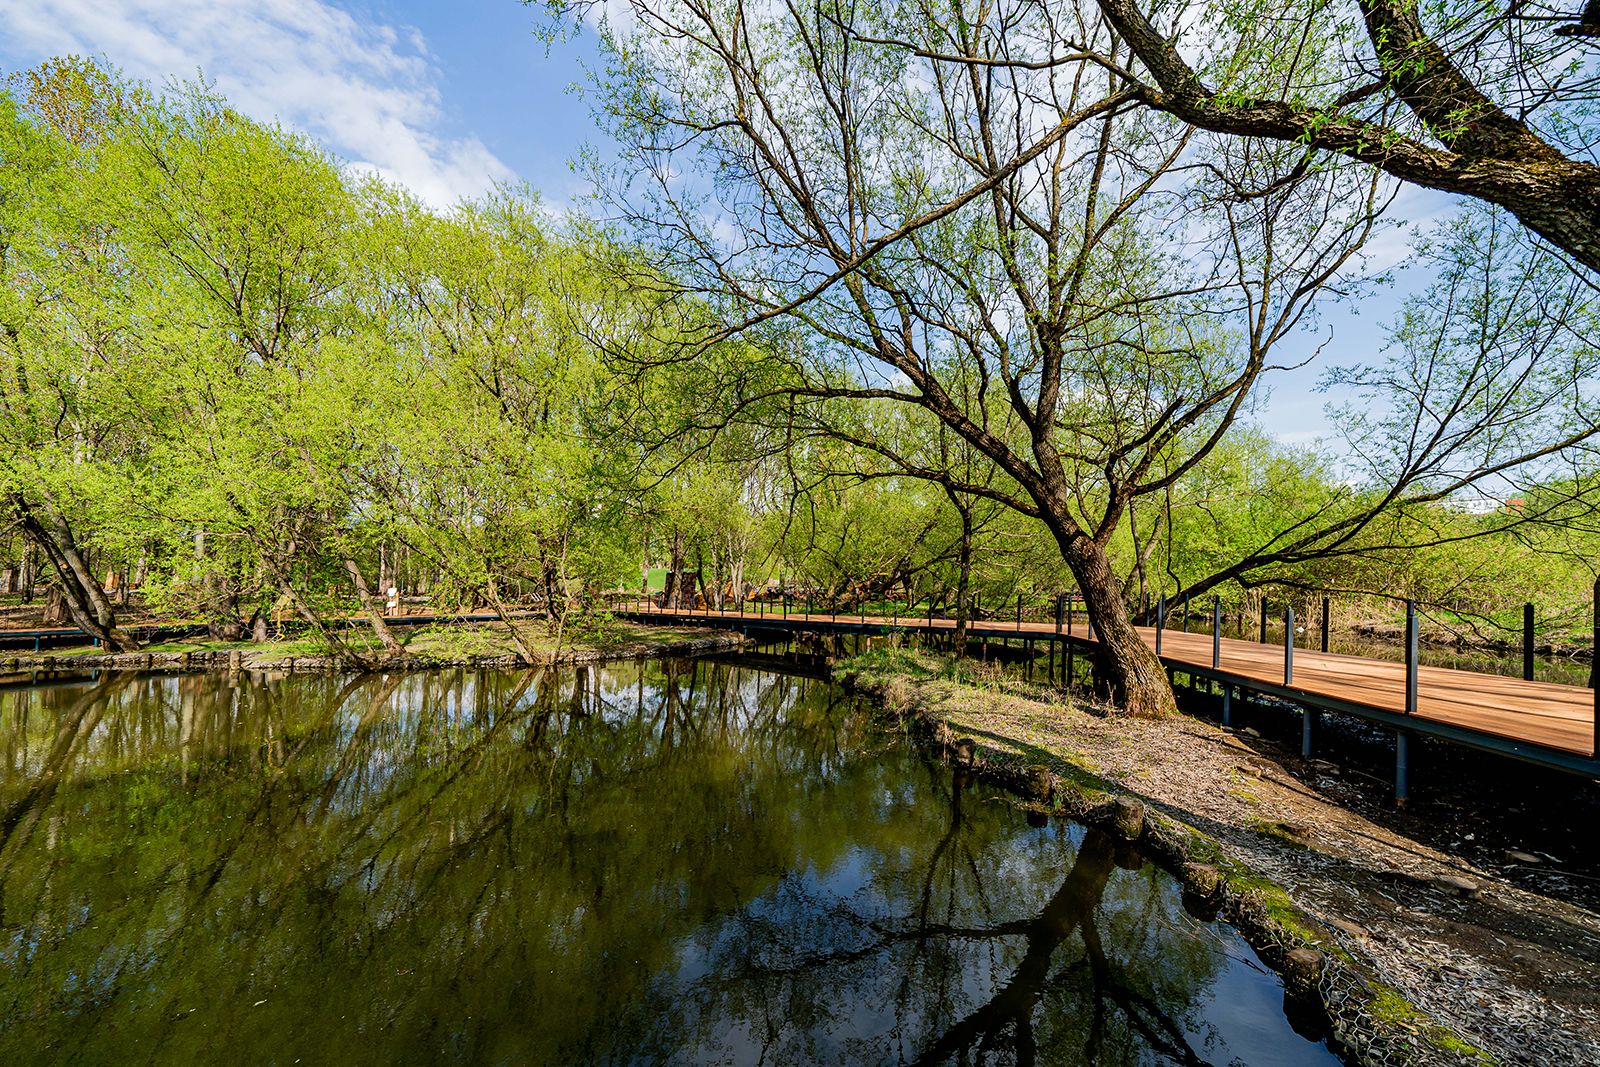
254	382
253	377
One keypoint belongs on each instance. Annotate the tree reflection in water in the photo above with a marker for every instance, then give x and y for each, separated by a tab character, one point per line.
670	861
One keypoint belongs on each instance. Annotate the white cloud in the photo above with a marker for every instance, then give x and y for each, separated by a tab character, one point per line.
368	90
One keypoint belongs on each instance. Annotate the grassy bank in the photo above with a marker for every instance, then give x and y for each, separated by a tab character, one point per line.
438	645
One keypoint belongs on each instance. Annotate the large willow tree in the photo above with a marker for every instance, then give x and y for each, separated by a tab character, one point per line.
967	215
970	210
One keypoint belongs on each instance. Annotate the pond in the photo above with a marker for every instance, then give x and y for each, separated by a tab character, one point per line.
672	861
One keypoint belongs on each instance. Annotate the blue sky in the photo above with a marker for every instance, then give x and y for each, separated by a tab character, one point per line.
445	97
450	97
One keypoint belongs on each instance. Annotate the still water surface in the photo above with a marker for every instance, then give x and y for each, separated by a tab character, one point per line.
659	862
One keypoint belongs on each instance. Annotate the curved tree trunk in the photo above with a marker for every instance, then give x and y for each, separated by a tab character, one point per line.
372	607
1138	681
1484	151
85	600
525	648
287	594
29	576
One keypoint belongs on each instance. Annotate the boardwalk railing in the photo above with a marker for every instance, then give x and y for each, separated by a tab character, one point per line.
1545	723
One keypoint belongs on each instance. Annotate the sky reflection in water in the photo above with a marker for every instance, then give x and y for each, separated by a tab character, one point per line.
652	862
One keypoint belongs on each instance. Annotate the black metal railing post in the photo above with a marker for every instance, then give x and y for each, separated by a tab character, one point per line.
1527	642
1288	645
1019	611
1216	634
1324	624
1161	621
1061	600
1411	657
1263	620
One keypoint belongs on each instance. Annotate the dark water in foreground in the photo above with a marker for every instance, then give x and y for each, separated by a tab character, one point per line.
683	862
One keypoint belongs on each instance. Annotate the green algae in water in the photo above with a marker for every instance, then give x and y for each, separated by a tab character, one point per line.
642	862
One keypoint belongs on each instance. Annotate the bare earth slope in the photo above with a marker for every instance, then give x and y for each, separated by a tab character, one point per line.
1515	971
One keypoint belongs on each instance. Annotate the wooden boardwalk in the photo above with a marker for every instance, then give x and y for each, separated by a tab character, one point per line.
1458	705
1542	713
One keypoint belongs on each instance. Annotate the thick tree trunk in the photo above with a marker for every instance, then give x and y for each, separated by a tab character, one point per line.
679	594
55	608
29	576
372	607
1137	680
1488	153
386	577
85	600
219	601
558	601
222	616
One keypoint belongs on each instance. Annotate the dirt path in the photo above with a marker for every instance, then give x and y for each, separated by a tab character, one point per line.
1515	971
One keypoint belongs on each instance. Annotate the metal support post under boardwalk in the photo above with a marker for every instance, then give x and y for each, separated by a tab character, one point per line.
1402	767
1402	738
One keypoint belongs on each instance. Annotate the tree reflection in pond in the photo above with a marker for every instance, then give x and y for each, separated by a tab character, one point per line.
670	861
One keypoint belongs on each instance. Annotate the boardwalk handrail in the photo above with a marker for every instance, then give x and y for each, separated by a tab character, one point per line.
1545	723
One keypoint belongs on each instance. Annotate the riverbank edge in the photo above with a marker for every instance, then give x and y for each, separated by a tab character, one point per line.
267	660
1370	1021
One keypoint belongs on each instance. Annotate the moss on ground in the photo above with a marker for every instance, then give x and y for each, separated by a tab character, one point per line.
1391	1009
